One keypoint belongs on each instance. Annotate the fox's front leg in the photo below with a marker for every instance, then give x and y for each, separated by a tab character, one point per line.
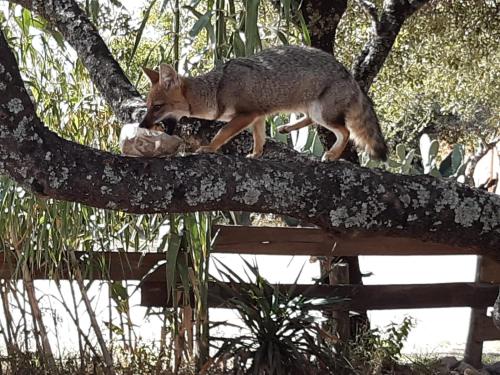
229	131
259	137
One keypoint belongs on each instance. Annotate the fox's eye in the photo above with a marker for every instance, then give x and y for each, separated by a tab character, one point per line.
157	107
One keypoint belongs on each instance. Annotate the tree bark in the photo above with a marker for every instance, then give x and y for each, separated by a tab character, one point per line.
340	197
322	18
385	29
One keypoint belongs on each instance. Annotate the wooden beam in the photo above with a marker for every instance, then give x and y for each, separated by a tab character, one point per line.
360	297
96	265
315	242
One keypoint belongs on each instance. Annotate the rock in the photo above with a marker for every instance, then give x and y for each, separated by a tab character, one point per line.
447	363
135	141
464	366
402	370
493	369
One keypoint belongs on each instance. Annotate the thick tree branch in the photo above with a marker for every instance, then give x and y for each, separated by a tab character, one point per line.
322	19
384	32
340	197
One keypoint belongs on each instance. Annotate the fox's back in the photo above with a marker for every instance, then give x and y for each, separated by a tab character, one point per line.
282	78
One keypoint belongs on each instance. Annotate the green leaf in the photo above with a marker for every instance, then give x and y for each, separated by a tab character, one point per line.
238	44
26	20
174	244
434	148
140	31
94	10
282	37
118	291
317	147
305	30
401	152
286	9
201	23
116	3
251	29
457	156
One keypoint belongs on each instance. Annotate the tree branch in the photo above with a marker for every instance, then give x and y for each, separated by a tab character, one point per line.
387	26
322	19
339	197
371	10
104	70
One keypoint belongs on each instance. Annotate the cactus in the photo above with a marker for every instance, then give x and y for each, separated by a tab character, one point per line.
429	150
452	166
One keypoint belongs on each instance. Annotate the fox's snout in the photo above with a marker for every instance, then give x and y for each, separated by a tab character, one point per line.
167	125
148	121
145	123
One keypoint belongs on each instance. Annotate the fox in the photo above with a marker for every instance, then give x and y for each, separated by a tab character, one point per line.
245	90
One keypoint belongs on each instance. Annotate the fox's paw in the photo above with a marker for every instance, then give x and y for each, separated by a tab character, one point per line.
254	155
283	129
205	150
330	156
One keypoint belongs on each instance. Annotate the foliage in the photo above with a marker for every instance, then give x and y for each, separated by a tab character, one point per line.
283	336
375	351
441	75
427	161
146	361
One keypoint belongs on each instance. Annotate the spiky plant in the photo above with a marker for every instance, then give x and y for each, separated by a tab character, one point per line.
282	336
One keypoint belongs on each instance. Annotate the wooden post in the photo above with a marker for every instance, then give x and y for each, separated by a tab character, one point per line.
474	346
339	274
336	274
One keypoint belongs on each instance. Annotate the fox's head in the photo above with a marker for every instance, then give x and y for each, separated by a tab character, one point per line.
165	100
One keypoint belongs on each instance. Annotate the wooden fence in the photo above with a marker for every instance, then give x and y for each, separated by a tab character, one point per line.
150	269
311	241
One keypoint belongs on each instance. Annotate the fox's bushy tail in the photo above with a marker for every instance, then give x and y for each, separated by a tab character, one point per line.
362	122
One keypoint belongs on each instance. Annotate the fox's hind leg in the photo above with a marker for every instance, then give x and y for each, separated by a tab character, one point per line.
296	125
329	115
259	137
342	134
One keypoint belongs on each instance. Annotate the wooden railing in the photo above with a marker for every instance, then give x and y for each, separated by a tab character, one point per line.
311	241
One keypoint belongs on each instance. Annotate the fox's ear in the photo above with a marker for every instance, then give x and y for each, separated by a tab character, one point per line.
168	76
153	75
